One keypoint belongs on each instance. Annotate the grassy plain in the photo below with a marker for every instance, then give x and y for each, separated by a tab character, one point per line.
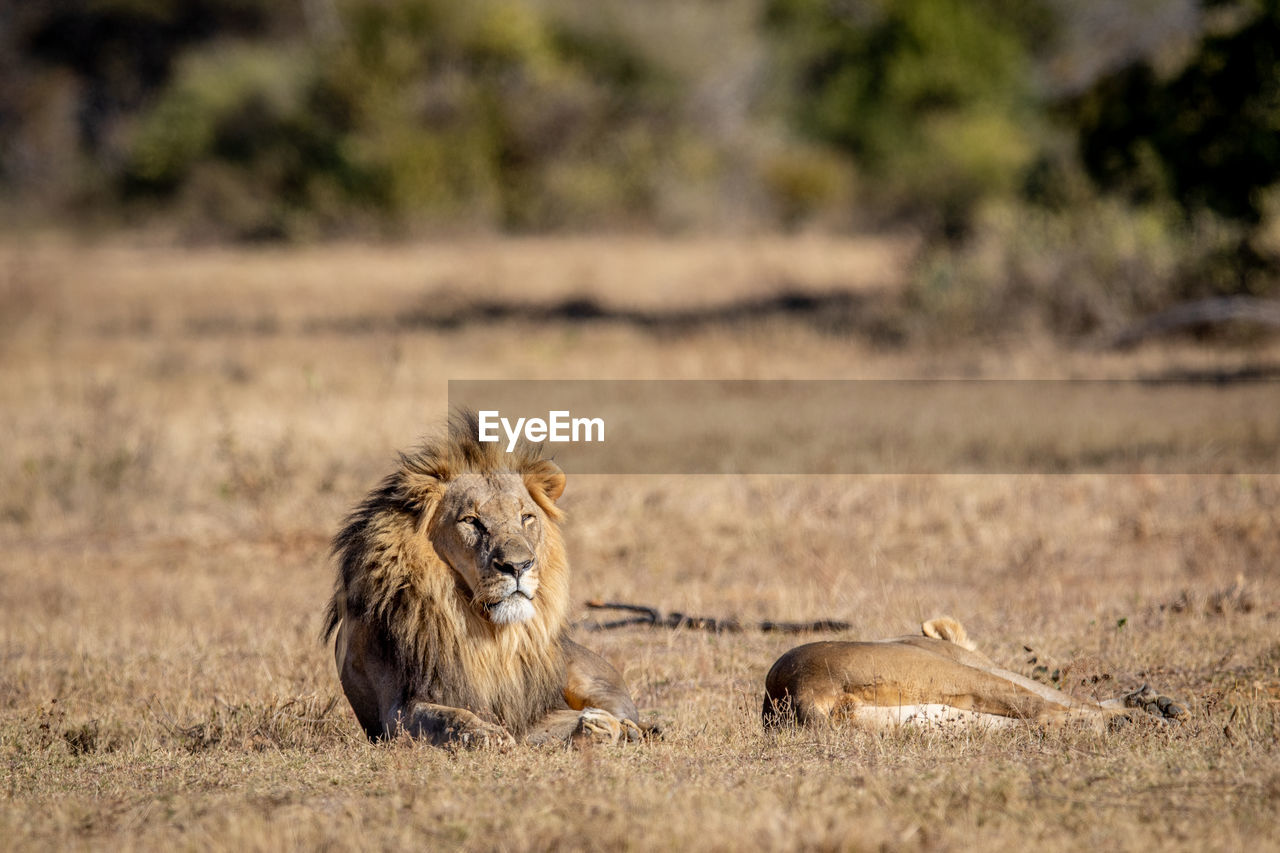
183	432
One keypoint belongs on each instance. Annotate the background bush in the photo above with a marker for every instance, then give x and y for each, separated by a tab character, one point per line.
933	98
1072	162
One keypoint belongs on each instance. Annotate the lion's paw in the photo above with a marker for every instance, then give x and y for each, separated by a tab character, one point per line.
1160	707
632	732
596	725
482	735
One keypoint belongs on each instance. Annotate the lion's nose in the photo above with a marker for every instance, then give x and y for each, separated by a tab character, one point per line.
515	568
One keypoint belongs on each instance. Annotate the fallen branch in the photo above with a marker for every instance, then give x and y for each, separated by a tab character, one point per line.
655	618
1202	312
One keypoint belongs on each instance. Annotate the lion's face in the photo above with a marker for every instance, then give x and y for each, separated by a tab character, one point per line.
490	531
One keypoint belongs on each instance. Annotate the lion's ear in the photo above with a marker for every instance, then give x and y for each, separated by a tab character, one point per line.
420	491
545	478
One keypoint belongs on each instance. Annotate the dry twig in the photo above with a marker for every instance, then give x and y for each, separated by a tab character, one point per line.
655	618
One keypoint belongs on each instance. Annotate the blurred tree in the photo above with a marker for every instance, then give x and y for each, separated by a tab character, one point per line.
271	119
933	98
74	73
419	111
123	49
117	53
1209	137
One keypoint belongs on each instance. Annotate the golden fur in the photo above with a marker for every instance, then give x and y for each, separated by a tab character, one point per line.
452	597
937	677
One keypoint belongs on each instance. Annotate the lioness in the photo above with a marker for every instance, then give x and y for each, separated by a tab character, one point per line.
451	603
938	677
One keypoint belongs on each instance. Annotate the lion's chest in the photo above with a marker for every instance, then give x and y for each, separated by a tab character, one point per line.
512	680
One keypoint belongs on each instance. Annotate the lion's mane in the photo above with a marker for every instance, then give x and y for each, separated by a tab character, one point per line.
391	578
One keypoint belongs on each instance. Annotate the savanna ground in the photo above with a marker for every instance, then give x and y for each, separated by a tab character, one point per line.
184	431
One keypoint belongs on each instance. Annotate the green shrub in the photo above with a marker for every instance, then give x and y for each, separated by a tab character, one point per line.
932	98
1208	137
234	141
423	112
808	182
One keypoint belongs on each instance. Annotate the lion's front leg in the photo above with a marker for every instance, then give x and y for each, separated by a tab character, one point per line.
442	725
593	684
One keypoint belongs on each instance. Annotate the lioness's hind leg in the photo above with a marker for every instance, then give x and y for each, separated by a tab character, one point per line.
1148	702
1155	704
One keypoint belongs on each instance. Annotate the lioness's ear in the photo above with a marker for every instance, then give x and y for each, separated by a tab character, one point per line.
545	478
946	628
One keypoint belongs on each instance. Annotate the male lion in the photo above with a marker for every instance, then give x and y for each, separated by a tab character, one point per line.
451	603
937	678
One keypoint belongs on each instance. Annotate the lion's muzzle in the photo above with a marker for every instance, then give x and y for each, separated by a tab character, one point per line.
515	569
513	584
513	558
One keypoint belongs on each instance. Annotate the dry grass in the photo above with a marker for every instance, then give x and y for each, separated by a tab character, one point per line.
181	440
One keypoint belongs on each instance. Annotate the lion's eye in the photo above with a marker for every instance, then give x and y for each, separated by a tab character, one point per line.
473	522
527	519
